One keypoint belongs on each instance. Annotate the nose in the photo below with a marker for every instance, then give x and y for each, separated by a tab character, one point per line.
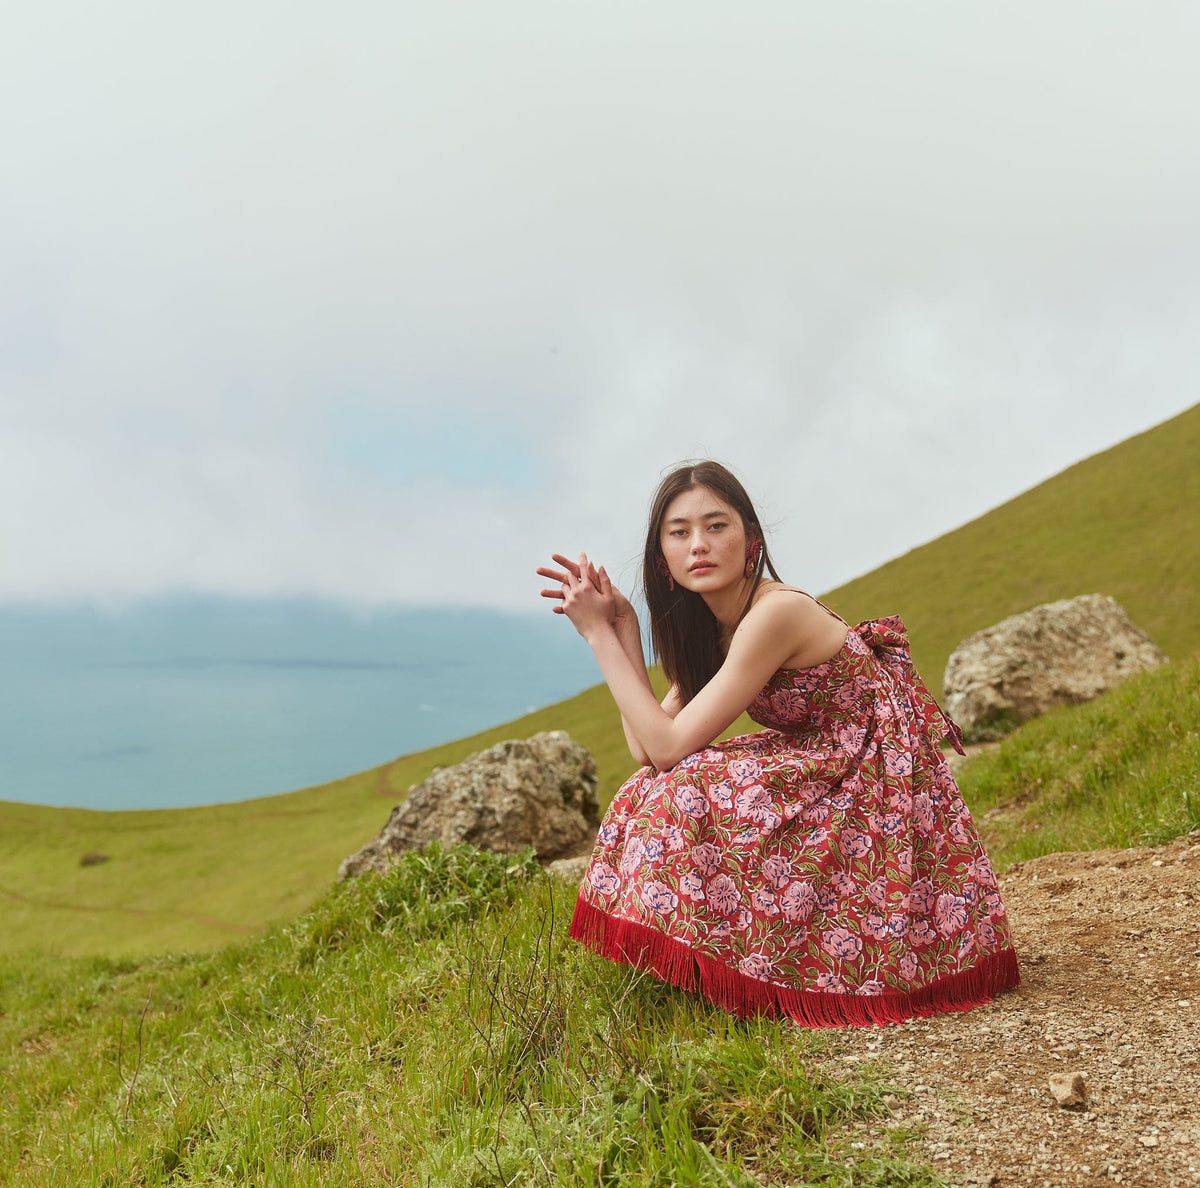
699	544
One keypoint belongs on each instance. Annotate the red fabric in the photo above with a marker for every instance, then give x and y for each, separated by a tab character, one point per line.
826	867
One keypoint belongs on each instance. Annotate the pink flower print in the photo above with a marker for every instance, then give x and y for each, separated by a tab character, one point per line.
904	862
855	844
723	895
877	891
792	810
908	966
623	817
798	900
831	983
603	878
635	851
689	801
900	800
673	838
816	814
654	850
841	800
966	946
995	905
960	832
843	883
827	899
752	801
897	924
851	737
875	926
744	920
755	965
691	886
987	935
748	836
608	834
841	943
720	930
745	771
789	704
940	845
813	791
921	897
870	989
722	794
950	914
970	893
892	825
776	871
897	763
921	933
980	869
923	814
848	696
706	858
658	897
764	902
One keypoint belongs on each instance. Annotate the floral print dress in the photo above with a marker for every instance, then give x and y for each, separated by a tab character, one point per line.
825	868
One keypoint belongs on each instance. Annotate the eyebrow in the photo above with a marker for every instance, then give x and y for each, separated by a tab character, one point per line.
713	515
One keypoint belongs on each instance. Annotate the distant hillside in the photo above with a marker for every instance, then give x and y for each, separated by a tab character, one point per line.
1125	522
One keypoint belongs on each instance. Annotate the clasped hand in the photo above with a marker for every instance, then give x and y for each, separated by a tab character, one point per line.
588	598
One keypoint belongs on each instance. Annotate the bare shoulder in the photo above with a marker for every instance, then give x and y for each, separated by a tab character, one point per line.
814	634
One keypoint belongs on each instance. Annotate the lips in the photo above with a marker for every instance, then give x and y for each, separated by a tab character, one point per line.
701	567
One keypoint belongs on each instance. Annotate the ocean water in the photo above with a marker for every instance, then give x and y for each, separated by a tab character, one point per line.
184	701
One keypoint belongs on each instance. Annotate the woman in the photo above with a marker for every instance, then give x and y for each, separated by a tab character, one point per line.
826	867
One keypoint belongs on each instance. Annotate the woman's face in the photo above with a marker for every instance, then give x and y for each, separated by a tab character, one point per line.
704	541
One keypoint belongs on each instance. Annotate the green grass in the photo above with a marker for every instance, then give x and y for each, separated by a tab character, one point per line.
431	1026
1123	770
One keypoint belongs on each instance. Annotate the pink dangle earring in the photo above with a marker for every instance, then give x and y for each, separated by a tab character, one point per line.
753	552
665	570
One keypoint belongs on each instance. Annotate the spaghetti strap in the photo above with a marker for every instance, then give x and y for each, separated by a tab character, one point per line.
828	609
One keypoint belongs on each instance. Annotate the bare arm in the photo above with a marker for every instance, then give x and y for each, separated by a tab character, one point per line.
771	632
629	634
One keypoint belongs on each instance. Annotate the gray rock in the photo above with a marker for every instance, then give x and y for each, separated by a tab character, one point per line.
570	870
538	792
1068	1089
1060	653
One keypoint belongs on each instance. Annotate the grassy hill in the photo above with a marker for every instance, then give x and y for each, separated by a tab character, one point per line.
1122	523
434	1025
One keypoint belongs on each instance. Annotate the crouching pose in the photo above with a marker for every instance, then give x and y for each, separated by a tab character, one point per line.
826	867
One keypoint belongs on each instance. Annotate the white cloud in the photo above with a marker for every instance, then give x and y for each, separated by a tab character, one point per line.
894	264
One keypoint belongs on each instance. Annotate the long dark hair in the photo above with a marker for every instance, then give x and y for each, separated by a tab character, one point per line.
685	633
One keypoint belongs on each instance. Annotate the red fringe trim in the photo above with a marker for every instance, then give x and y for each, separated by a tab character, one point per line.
636	944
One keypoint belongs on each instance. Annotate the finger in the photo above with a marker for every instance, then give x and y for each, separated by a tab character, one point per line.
583	565
567	562
604	583
552	594
558	610
555	575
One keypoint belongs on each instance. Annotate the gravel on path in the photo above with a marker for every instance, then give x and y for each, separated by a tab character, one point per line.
1109	947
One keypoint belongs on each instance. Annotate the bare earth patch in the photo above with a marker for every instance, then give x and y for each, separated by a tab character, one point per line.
1109	946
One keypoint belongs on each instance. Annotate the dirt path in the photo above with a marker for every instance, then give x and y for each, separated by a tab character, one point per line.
1109	944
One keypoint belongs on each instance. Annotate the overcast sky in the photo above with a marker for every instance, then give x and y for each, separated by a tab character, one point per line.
385	301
